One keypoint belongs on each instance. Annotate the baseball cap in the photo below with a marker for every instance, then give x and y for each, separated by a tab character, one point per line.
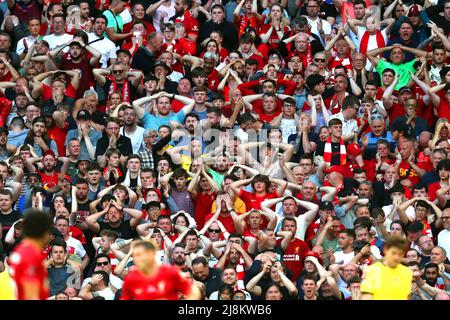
67	177
353	149
326	205
404	89
127	52
315	255
49	152
413	11
83	115
415	226
161	63
34	175
155	190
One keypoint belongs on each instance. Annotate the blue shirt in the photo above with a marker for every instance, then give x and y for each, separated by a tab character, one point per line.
153	122
93	135
371	149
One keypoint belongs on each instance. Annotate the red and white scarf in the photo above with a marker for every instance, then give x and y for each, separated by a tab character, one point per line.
365	41
307	58
327	153
125	92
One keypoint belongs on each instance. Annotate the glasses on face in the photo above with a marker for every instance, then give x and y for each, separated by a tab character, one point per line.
319	60
376	117
104	263
214	230
117	71
305	164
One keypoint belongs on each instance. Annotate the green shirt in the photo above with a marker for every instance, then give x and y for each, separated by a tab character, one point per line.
400	69
328	244
114	21
217	177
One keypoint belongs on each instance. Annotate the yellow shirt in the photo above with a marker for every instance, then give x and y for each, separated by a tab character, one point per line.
6	286
238	206
385	283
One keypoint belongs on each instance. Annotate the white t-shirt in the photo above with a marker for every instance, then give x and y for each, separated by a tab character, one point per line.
21	43
105	46
444	240
287	127
106	293
55	41
137	138
157	15
343	258
326	26
114	281
74	246
410	212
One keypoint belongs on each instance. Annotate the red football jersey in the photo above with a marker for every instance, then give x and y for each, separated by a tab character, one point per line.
167	284
294	255
26	266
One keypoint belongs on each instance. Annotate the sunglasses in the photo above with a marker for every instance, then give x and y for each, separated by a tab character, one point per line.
214	230
319	60
117	71
376	117
105	263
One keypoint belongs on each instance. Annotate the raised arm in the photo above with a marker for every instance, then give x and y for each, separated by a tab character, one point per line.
387	103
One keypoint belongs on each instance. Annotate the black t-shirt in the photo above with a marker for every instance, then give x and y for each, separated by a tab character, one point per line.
124	230
335	151
143	60
313	137
123	144
7	220
213	282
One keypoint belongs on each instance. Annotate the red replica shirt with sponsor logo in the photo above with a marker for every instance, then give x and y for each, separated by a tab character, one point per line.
48	181
405	167
27	266
294	255
190	23
166	284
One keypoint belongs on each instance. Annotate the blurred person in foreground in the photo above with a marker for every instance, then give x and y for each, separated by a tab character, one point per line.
150	281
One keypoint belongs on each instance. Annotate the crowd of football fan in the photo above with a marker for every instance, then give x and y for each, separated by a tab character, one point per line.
268	148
